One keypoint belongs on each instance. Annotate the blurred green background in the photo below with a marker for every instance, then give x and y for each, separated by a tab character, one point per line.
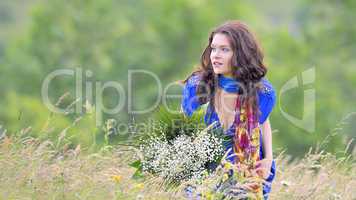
167	38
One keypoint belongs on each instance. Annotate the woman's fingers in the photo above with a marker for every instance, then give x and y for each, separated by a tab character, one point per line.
263	168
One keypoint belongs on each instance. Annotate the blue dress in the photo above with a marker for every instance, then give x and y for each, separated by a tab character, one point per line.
267	99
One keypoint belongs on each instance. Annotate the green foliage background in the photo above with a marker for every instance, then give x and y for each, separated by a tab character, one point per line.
110	37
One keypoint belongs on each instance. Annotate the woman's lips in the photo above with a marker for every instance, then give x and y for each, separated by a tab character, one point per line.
217	64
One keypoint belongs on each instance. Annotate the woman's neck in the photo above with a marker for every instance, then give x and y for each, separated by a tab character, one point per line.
228	75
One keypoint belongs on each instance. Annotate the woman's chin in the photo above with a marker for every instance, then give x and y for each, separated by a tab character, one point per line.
216	71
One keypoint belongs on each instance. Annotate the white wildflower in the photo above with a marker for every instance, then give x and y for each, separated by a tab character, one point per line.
183	158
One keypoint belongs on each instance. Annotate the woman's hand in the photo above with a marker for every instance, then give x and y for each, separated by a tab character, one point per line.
263	167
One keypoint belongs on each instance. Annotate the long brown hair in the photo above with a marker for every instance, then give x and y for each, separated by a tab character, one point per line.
247	64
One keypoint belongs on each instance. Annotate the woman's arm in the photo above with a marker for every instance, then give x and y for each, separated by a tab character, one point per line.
267	140
267	97
264	165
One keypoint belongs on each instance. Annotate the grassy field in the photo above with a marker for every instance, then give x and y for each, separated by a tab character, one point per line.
33	169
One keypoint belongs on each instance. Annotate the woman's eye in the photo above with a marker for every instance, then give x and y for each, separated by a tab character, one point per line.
213	49
225	49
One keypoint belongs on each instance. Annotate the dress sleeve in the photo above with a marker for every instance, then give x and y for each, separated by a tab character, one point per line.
267	100
190	101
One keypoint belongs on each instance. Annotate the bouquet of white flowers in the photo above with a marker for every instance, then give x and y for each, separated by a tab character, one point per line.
179	148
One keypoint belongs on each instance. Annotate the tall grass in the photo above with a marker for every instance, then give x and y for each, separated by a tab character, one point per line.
34	169
47	168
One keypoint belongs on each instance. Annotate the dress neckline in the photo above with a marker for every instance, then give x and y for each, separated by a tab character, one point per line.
221	90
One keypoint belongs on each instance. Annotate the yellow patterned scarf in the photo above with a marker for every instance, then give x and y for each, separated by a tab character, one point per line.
247	141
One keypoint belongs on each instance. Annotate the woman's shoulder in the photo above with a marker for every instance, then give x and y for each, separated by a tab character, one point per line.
190	101
267	98
193	79
266	87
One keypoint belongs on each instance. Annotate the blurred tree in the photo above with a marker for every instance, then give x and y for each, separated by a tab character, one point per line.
109	38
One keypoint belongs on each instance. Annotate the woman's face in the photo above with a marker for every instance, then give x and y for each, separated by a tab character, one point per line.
221	55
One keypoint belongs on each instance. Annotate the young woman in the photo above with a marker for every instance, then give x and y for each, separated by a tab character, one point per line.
231	79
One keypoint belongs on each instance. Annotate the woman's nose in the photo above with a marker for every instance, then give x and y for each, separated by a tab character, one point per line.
217	54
